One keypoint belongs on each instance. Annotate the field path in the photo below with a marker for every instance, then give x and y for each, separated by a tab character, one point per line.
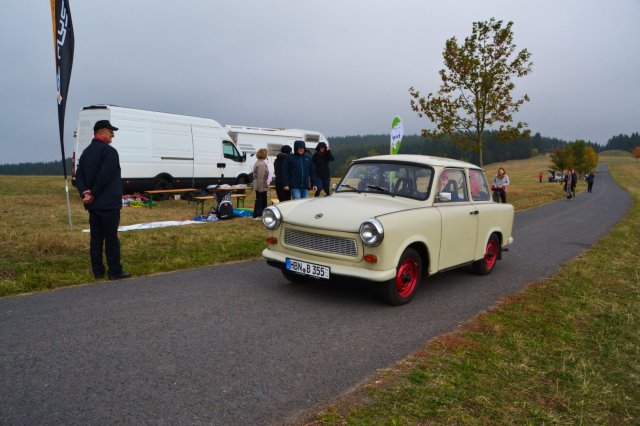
237	345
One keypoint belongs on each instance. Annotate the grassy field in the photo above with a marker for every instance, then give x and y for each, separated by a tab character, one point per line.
40	250
565	351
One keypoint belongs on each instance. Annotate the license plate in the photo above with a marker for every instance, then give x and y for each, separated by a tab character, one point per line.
311	269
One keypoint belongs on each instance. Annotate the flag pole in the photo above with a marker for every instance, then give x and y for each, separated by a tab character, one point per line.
63	44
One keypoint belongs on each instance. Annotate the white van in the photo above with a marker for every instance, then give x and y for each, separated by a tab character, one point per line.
165	151
250	139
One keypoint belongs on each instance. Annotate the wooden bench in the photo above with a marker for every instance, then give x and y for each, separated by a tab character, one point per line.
202	199
188	191
200	202
239	197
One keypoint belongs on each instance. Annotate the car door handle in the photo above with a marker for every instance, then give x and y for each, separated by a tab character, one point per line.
474	212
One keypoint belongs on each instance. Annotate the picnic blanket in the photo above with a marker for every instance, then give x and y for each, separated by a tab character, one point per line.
151	225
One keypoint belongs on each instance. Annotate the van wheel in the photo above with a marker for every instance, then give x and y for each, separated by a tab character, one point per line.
485	265
162	183
401	289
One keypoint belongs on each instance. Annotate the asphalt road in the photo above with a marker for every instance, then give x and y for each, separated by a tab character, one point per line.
238	345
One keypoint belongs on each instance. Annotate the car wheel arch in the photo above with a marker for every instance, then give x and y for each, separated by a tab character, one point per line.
423	251
483	242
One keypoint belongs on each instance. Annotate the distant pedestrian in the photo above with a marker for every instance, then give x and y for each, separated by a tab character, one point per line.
260	183
499	186
299	173
589	178
278	164
321	159
569	184
100	186
540	176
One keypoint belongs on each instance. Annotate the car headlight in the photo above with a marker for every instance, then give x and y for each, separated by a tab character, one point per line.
371	232
271	217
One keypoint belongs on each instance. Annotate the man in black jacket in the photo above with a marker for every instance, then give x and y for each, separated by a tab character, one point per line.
100	186
278	165
321	160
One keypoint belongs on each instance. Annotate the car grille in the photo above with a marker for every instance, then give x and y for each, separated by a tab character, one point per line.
323	243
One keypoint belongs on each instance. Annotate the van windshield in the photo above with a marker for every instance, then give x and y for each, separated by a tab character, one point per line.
230	151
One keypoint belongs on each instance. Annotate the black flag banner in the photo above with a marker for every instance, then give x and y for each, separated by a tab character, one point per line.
63	42
63	47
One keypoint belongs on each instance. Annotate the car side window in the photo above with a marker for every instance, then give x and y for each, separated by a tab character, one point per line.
479	186
453	182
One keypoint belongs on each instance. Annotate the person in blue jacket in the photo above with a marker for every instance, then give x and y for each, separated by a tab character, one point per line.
299	173
100	186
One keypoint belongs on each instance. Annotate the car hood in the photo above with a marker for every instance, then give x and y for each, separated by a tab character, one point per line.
344	212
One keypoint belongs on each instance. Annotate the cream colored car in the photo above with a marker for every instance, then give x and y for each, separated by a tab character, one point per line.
392	220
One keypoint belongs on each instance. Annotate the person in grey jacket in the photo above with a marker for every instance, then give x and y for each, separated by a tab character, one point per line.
100	186
260	183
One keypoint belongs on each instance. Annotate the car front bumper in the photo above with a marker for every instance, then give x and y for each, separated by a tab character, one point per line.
278	260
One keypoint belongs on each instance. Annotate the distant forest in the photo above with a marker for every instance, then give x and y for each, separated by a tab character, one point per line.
346	148
51	168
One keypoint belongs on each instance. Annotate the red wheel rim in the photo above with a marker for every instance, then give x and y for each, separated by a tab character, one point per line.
407	278
491	254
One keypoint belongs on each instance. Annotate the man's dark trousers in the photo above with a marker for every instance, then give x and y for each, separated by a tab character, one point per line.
104	230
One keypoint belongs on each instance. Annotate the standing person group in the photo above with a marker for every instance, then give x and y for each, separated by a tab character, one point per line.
499	186
321	159
260	183
100	186
570	181
299	173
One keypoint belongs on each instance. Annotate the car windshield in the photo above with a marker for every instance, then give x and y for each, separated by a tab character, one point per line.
395	179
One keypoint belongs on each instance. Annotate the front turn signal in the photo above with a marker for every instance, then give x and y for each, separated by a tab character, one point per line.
272	240
370	258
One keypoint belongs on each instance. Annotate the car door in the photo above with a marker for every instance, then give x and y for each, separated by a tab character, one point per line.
459	218
480	196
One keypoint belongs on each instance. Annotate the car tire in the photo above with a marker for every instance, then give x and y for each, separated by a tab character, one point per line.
401	289
485	265
293	277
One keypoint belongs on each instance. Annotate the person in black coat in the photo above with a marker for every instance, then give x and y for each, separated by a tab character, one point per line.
299	174
321	159
278	166
589	178
100	186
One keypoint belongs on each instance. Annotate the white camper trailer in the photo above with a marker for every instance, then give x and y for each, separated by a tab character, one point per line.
165	151
250	139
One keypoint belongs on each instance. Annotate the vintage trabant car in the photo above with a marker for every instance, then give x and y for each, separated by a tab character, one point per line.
392	219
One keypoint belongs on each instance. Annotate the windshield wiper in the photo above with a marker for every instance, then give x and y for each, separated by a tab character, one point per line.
378	188
346	185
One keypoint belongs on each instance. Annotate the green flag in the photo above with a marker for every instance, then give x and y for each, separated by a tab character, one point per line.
397	132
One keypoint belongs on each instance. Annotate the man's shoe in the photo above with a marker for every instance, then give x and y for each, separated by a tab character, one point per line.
98	276
119	276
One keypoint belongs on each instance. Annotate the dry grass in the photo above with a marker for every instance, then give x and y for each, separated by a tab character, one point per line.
40	250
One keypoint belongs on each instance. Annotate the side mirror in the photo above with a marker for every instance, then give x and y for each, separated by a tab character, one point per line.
443	196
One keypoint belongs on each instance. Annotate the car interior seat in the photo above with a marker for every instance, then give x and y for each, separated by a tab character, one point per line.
403	186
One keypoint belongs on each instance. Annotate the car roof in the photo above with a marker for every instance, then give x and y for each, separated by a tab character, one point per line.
421	159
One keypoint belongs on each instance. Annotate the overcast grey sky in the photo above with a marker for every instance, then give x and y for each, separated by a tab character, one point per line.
339	67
